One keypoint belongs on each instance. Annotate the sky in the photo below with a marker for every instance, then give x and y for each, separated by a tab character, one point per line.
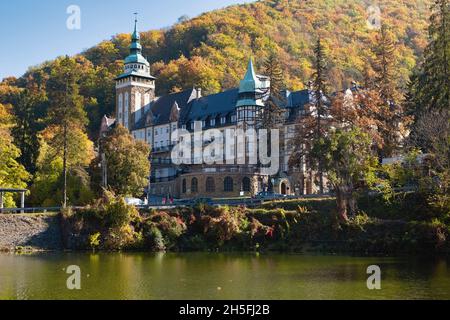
32	32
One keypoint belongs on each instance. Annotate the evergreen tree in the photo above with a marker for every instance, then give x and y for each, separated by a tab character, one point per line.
430	86
385	83
272	115
320	89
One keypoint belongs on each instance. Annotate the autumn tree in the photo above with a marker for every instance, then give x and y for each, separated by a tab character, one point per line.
66	114
48	184
346	146
348	162
12	173
127	163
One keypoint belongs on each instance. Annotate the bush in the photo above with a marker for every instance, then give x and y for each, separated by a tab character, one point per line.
170	228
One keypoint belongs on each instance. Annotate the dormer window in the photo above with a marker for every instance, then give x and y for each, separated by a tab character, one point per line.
223	120
212	122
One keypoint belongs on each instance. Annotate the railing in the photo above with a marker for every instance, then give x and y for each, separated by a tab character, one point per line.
30	210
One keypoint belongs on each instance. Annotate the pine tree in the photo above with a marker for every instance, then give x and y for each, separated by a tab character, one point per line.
320	89
272	115
385	83
430	87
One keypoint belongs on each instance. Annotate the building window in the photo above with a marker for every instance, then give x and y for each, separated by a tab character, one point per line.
246	184
210	185
203	123
223	120
233	118
184	186
212	122
228	184
194	185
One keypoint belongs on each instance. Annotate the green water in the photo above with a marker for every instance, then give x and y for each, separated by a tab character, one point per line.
220	276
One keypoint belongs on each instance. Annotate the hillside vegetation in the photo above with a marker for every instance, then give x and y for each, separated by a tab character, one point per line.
211	50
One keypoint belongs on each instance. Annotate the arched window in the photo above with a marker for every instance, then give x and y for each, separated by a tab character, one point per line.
126	110
210	185
194	185
183	187
120	112
228	184
246	184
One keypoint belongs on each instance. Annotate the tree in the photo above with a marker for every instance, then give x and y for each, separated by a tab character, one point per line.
428	101
66	113
28	109
346	145
320	89
431	85
272	115
48	184
12	173
127	163
348	162
385	83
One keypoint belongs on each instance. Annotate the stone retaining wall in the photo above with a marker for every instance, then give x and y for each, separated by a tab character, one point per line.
39	231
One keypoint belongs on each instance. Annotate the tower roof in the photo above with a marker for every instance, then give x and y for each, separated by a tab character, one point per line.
136	48
250	83
250	88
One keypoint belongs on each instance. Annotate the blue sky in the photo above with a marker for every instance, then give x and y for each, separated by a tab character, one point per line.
33	31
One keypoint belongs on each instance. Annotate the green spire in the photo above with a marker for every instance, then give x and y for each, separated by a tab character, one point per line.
135	47
249	88
250	83
250	75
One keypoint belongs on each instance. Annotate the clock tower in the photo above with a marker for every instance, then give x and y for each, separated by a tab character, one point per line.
135	87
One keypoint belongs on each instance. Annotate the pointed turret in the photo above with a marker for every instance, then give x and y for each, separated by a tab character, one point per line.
250	82
250	88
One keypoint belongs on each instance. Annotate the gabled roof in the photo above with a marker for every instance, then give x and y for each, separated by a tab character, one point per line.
162	107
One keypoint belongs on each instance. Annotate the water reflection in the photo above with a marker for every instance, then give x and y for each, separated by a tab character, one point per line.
220	276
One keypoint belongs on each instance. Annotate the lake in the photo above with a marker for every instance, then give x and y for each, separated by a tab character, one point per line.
220	276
